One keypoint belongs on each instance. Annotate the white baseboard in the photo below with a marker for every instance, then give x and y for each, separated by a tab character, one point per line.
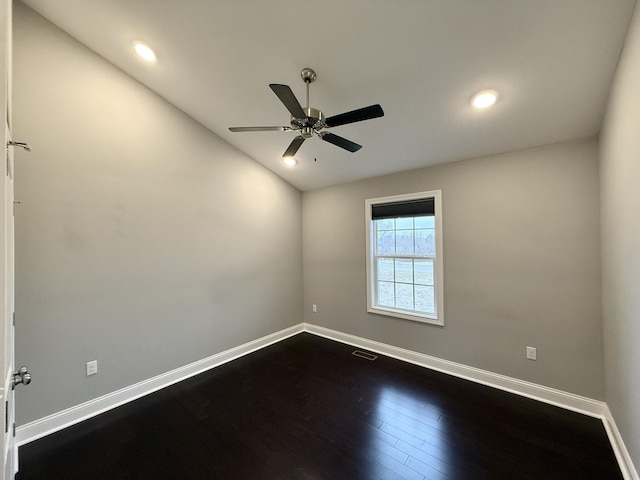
58	421
559	398
629	471
569	401
594	408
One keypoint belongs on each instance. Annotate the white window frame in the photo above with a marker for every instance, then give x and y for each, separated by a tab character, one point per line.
372	307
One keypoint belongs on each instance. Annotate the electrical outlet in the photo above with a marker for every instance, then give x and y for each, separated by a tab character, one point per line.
314	307
532	353
92	367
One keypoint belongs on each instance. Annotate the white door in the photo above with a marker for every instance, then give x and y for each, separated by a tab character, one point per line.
9	457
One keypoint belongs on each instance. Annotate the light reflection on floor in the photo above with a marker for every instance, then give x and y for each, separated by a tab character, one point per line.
412	442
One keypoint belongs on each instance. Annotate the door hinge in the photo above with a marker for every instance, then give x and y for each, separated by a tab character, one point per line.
6	417
14	319
14	429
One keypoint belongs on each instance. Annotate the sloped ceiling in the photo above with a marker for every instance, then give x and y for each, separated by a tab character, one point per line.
551	60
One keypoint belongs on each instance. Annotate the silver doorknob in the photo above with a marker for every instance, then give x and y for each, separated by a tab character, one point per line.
22	376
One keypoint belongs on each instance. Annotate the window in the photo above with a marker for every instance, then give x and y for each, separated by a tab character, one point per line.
404	257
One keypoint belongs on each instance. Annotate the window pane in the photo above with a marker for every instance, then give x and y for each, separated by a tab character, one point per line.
425	299
426	222
385	269
423	272
404	222
404	242
425	241
404	270
386	242
385	224
386	294
404	296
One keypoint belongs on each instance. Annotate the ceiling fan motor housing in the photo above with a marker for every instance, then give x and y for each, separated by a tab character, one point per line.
313	121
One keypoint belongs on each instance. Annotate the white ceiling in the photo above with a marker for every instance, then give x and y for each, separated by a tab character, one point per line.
552	61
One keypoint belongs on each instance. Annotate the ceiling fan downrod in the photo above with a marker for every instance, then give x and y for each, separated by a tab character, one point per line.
314	118
308	76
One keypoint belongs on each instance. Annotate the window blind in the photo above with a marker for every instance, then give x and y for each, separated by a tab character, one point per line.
422	207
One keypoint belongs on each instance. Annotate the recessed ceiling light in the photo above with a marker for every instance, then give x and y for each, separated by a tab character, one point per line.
290	161
145	52
484	99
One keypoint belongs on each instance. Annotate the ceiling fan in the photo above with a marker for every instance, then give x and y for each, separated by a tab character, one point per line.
310	121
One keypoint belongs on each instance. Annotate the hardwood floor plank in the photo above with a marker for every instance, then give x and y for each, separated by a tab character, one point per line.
305	408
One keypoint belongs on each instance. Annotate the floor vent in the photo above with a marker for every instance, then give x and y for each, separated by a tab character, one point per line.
365	355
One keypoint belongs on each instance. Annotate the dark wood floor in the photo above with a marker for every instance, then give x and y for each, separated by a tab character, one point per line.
306	408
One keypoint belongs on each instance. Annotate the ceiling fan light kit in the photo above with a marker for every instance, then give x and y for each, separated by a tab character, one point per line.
309	122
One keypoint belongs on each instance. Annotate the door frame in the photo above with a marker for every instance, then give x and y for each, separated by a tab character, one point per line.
7	256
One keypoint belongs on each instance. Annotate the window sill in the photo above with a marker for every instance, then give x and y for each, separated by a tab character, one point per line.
406	316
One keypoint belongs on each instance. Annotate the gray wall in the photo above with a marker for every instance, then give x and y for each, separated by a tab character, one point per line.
620	190
521	264
146	242
143	240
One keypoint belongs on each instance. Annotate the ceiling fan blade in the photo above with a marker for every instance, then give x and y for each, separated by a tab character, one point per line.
366	113
259	129
289	100
294	146
340	142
